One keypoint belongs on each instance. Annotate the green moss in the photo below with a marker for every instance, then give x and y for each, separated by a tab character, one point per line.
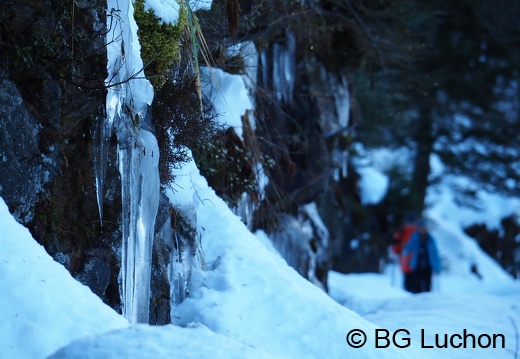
159	41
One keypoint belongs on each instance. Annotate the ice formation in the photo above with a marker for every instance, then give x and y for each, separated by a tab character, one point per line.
129	96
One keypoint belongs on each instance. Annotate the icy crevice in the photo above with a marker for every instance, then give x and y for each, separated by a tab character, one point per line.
101	137
129	96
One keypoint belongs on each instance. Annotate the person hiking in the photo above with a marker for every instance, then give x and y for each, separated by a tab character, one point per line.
424	258
400	240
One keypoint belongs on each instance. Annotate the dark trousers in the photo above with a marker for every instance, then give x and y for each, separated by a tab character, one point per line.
408	281
420	280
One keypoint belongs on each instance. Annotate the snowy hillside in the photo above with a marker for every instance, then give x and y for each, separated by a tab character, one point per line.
43	307
246	303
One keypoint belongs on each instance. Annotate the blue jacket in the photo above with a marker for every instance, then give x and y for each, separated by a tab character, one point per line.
413	247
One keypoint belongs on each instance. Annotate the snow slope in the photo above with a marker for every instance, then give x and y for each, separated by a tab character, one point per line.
250	304
248	294
247	303
43	307
251	294
148	342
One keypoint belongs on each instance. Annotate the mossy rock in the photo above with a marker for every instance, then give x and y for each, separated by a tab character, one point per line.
159	41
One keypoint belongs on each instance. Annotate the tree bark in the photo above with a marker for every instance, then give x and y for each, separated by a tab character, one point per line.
424	141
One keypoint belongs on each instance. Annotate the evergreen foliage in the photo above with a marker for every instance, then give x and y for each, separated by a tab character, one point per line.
455	98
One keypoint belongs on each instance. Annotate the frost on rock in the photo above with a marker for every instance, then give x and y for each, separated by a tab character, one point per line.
303	241
129	96
282	57
334	117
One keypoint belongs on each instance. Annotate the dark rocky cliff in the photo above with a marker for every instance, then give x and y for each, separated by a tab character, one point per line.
52	73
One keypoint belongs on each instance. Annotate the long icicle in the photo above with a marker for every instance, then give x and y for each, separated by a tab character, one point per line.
128	99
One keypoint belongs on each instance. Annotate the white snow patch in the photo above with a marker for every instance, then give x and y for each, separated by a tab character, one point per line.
373	185
43	307
229	96
166	10
148	342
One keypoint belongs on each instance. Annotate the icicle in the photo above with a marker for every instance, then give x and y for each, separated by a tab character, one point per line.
180	269
284	68
126	161
336	161
277	70
100	163
138	165
244	209
128	99
342	101
265	69
344	164
289	68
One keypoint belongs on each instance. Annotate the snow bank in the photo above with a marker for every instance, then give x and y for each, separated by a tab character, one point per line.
228	96
482	310
252	295
43	307
449	218
443	313
459	252
147	342
364	292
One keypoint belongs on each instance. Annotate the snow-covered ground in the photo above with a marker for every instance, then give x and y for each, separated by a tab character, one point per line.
43	307
462	304
248	303
449	310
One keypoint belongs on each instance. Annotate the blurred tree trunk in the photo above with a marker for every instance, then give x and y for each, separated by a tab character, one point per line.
424	141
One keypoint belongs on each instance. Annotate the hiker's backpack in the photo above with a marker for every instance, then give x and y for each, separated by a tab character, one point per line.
401	237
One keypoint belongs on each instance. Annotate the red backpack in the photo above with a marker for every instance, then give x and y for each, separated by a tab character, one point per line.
401	237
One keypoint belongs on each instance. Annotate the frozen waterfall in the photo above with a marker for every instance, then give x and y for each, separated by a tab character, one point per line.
128	99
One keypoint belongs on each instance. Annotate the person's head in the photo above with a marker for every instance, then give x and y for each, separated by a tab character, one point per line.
410	217
421	226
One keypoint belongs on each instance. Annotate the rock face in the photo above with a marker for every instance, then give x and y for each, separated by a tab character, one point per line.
305	129
49	109
24	167
52	99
